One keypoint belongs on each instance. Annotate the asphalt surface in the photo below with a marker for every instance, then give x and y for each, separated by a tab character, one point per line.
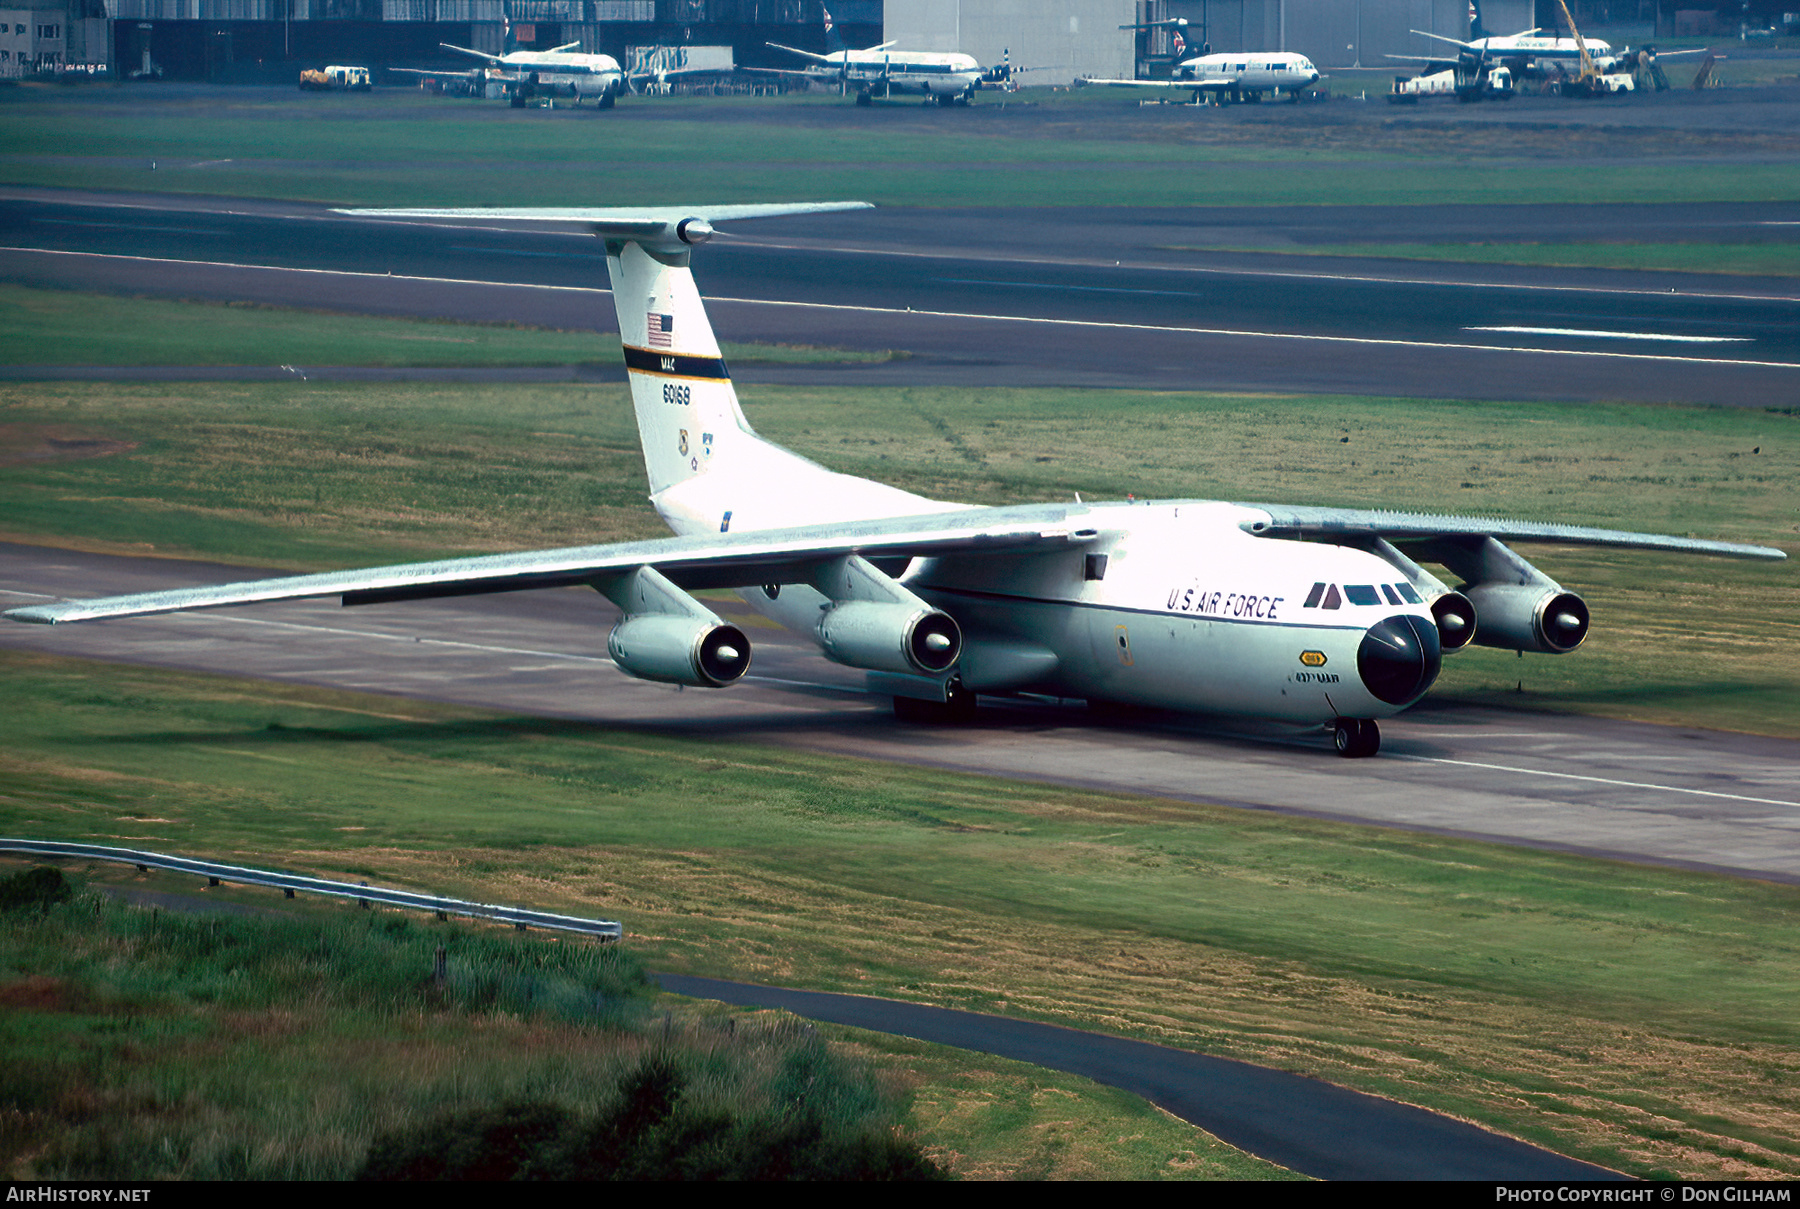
1314	1128
1074	297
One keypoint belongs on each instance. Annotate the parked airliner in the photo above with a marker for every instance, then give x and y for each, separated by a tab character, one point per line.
1521	53
948	78
561	72
1321	617
1241	76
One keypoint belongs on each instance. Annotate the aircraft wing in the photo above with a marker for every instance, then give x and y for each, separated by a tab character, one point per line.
1290	521
1164	85
479	54
1452	41
705	561
804	54
467	75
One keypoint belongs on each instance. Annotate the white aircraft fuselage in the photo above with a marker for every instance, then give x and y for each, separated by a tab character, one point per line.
1248	74
883	72
559	72
1231	77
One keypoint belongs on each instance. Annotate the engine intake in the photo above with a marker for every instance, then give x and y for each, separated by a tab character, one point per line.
1456	620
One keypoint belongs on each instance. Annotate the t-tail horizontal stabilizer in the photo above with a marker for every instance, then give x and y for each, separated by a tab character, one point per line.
675	227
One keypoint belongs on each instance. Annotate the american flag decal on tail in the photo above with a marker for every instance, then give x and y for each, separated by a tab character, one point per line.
660	330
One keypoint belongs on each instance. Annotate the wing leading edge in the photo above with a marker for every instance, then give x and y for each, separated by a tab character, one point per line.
707	561
1291	521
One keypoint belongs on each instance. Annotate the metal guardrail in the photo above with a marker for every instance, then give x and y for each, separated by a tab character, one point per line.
293	883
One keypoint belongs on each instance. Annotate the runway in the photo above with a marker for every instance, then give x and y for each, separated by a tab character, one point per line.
1677	797
1011	297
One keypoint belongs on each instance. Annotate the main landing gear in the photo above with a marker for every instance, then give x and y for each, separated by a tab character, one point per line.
1356	738
957	708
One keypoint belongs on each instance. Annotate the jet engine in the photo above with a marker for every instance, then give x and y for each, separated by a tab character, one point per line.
1516	606
669	636
1529	617
1456	619
890	637
875	622
680	650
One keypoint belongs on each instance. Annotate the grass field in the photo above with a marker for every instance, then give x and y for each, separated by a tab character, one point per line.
396	147
1637	1017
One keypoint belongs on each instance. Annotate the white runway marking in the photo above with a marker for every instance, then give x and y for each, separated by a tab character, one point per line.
966	316
1570	776
1600	335
467	646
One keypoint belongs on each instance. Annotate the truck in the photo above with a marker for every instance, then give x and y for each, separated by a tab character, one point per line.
335	79
1484	83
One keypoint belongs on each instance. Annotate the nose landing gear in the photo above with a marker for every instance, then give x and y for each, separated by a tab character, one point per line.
1356	738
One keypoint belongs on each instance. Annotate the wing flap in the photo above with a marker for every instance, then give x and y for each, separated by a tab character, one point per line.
707	561
1290	521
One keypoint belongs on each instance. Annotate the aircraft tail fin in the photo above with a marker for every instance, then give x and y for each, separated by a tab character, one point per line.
1477	31
706	465
834	41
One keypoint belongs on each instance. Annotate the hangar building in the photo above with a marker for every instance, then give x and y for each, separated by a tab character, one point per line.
269	40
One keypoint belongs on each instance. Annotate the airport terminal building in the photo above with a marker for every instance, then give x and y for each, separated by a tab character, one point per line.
270	40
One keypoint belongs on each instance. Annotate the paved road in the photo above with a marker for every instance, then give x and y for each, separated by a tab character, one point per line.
1686	798
1314	1128
1049	297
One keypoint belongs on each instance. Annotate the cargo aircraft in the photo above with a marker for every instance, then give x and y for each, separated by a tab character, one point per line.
1316	616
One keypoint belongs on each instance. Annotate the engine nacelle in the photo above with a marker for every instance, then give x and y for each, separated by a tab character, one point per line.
694	651
1528	617
1456	620
890	637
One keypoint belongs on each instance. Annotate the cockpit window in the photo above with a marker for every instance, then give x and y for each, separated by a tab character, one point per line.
1393	597
1409	594
1361	594
1332	599
1312	597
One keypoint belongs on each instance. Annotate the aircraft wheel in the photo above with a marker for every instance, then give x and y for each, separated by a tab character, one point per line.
1356	738
863	98
607	99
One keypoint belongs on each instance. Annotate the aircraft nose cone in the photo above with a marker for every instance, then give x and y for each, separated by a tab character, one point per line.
1399	658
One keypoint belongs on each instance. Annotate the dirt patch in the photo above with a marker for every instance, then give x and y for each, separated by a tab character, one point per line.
40	993
55	443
